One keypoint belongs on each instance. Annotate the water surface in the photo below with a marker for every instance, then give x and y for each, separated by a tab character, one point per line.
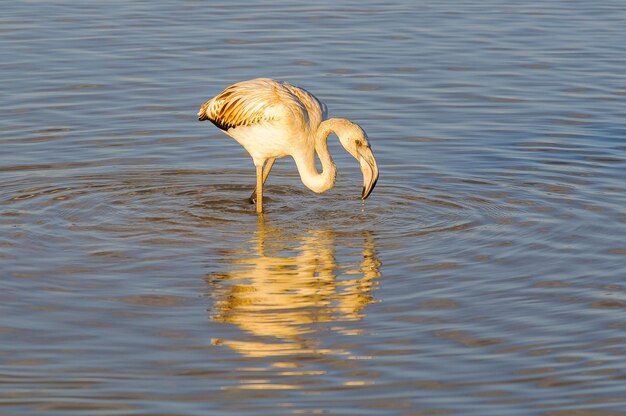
484	276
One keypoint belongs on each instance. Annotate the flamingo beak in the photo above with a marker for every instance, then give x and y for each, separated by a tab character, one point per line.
369	169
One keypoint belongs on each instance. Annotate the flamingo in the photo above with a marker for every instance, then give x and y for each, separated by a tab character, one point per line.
273	119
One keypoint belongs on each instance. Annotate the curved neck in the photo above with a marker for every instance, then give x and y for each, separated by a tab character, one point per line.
311	178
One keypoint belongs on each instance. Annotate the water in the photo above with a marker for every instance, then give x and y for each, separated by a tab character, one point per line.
484	276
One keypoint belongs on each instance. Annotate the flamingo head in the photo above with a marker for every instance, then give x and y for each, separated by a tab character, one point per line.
354	139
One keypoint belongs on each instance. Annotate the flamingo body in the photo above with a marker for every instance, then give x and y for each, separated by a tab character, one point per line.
273	119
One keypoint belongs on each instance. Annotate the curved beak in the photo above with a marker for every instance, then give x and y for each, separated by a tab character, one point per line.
369	169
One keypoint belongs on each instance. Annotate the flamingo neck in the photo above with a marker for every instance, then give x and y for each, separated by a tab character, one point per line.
311	178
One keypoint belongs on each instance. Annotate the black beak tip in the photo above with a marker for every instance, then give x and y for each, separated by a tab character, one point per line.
364	195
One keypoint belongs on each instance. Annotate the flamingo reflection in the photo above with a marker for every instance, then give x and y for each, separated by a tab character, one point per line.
285	285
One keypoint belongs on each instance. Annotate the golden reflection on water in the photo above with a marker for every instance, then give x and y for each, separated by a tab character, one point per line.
282	285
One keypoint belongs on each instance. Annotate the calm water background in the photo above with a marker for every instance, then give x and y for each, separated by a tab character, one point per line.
484	276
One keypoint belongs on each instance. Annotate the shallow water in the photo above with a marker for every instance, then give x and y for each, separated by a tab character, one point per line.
484	276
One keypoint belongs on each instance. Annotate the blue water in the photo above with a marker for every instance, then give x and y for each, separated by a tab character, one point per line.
484	275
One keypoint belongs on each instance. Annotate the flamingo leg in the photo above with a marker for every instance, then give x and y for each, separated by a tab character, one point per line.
259	189
266	173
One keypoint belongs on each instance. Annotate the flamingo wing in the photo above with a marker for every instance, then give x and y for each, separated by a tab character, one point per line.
251	102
